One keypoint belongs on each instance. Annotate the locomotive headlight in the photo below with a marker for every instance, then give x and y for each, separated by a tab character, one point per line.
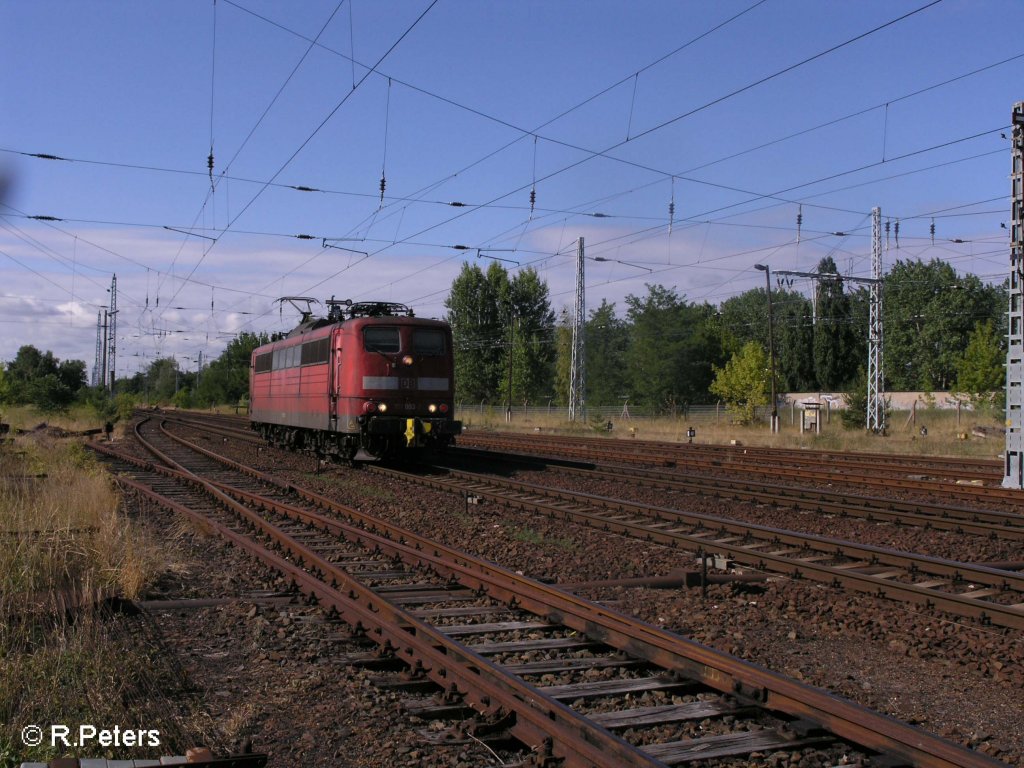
382	407
444	407
407	360
432	408
369	406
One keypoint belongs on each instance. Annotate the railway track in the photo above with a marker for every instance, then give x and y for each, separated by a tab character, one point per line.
940	516
987	594
893	476
989	469
492	640
910	512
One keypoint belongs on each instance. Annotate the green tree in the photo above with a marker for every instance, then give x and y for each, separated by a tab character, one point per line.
672	347
563	358
226	379
835	348
477	331
744	382
744	318
607	339
929	314
5	388
533	351
163	379
794	343
482	308
40	379
981	371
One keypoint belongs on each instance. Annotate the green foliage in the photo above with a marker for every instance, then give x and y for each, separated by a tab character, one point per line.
40	379
182	398
745	318
472	305
607	339
102	405
533	354
855	415
563	360
482	309
162	379
981	372
226	379
672	347
663	352
835	348
929	313
744	382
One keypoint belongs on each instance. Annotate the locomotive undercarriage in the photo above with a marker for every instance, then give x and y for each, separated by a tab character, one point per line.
376	439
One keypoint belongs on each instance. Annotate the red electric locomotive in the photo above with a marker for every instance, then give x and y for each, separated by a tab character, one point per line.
368	381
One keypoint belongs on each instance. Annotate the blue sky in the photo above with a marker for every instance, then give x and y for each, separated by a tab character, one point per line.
602	107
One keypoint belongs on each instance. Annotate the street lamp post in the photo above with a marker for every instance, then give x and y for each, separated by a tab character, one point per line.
771	342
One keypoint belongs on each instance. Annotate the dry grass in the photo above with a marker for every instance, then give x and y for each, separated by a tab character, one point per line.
63	541
78	418
903	437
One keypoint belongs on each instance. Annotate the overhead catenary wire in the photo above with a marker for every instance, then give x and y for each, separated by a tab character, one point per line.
395	240
309	138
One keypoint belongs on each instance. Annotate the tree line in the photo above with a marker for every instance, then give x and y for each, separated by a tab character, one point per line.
941	331
39	379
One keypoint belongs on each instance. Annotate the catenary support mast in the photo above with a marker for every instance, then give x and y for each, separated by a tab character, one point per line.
876	385
577	375
112	335
1013	476
97	368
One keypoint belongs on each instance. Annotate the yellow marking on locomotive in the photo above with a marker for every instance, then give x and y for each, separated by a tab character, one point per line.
410	431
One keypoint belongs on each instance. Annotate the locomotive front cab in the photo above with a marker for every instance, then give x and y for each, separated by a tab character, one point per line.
405	388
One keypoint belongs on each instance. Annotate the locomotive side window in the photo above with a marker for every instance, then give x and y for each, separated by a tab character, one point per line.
316	352
381	339
279	359
264	362
428	341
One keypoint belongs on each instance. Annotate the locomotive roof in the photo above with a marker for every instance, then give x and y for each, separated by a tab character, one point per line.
320	327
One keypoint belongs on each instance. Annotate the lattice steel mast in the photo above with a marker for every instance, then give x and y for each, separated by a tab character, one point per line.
112	334
876	384
577	374
1014	473
97	373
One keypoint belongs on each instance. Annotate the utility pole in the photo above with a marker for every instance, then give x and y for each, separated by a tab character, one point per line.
771	343
876	385
1013	477
577	366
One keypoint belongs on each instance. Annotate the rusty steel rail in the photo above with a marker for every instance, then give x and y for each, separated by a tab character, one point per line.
713	668
740	542
619	451
946	517
815	456
453	667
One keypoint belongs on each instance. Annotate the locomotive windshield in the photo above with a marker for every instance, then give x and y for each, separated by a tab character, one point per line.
428	341
378	338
